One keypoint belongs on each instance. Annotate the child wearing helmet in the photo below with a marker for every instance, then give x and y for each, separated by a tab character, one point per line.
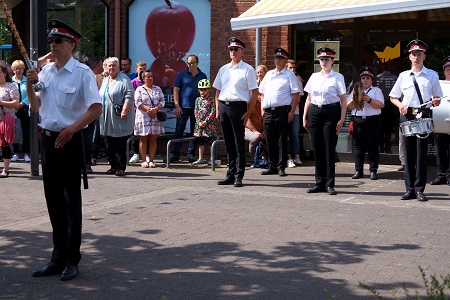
205	115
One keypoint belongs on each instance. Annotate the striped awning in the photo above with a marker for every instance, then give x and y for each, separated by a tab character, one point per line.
267	13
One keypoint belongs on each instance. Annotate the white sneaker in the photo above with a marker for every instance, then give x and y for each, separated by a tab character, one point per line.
290	163
26	158
297	160
134	158
14	158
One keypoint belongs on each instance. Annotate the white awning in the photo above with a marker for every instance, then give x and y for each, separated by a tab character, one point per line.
267	13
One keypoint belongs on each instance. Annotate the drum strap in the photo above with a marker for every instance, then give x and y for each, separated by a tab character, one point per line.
417	88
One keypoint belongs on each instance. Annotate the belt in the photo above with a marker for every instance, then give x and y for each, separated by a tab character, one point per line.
367	117
327	105
232	102
269	109
50	133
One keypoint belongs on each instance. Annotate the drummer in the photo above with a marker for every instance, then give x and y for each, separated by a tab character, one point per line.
420	89
442	143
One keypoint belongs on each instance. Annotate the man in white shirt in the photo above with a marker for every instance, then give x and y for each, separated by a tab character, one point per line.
235	85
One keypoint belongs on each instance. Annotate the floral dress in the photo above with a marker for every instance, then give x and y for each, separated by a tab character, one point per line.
144	125
205	110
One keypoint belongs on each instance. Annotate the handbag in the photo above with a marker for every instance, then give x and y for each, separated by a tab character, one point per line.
351	128
117	108
160	115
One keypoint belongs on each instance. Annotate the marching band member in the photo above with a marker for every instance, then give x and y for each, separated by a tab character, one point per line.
420	89
366	107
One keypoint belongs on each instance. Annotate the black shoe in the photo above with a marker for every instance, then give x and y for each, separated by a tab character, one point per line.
373	175
269	171
357	175
438	181
282	173
316	189
191	158
226	181
50	269
70	272
331	191
402	168
89	170
421	197
238	182
93	161
173	158
408	196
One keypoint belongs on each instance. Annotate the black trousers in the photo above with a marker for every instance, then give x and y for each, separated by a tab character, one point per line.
275	124
442	143
61	169
322	122
415	151
116	152
88	134
233	134
365	139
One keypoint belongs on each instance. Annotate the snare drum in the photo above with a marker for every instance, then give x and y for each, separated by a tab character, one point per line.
417	127
441	117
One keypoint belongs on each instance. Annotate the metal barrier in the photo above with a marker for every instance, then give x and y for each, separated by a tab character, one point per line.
170	143
214	153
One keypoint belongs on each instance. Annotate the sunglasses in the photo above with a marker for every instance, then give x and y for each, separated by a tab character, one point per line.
193	63
56	41
234	49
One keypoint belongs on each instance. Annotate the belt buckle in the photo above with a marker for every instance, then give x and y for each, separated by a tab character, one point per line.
319	105
364	117
415	111
227	102
47	133
272	108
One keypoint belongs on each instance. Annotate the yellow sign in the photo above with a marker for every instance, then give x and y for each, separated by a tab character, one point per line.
333	45
389	53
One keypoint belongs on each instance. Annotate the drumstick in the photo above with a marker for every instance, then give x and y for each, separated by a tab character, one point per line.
423	104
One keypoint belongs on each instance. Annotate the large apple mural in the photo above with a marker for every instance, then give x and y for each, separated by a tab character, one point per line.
170	31
165	71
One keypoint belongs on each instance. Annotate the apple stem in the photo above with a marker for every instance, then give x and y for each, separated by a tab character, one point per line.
168	3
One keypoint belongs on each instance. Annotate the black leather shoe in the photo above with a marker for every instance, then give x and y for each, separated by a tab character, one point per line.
421	197
373	175
331	191
408	196
50	269
282	173
316	189
226	181
269	171
70	272
358	175
402	168
238	182
438	181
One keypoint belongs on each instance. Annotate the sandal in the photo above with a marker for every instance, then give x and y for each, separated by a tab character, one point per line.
111	171
120	173
145	164
4	174
151	164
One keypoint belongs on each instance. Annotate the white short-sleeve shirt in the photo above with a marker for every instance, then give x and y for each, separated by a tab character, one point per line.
325	89
235	82
376	94
68	94
278	87
428	82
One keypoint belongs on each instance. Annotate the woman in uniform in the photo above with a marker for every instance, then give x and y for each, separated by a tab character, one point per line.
366	105
323	118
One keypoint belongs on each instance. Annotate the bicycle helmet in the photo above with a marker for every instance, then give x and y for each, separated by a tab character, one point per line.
204	84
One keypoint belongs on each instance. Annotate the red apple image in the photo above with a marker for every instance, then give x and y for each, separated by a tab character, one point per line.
165	71
170	31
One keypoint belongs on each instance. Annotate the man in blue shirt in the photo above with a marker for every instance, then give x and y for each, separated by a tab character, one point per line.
125	64
185	91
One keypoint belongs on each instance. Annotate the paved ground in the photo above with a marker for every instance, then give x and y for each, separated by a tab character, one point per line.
175	233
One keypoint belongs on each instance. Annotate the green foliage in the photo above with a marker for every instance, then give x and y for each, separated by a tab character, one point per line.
435	287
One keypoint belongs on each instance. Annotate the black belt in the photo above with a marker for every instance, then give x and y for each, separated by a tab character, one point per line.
269	109
426	112
50	133
366	117
327	105
232	102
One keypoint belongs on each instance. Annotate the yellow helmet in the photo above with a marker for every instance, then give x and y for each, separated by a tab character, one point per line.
204	84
